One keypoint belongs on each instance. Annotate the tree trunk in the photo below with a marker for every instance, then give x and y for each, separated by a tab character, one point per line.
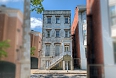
25	54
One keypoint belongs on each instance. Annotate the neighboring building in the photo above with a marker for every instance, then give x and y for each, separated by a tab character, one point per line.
101	38
11	29
57	42
79	34
36	41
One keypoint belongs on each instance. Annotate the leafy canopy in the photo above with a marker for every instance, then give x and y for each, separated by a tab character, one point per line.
36	5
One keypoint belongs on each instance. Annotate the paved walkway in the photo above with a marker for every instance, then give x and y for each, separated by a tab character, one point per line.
58	76
36	71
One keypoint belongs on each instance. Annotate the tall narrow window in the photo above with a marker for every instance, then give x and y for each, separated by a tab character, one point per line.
47	53
57	33
113	15
114	45
57	20
57	50
66	20
48	20
66	33
48	33
66	48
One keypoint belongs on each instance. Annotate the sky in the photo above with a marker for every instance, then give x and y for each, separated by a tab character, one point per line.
36	19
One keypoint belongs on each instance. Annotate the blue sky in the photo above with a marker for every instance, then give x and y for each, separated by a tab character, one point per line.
36	19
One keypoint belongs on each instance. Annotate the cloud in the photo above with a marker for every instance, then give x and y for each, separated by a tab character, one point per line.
5	1
36	22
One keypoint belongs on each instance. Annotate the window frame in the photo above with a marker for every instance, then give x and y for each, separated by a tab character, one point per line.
114	50
58	33
58	17
49	20
66	48
57	54
68	33
47	52
47	33
112	16
66	19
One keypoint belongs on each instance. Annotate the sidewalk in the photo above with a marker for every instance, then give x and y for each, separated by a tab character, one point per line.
36	71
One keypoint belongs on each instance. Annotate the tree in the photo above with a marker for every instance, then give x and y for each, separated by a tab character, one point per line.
3	46
36	5
32	50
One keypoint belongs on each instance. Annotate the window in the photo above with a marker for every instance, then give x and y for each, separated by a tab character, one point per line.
57	50
66	33
57	33
48	20
47	53
57	20
113	15
86	52
48	33
114	45
47	63
66	20
66	48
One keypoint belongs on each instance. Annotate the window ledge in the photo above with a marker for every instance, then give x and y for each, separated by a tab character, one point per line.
57	37
66	23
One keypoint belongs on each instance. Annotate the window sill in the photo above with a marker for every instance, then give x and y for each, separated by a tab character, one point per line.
66	37
66	23
49	23
57	37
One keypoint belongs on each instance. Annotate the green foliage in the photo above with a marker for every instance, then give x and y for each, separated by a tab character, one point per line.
32	50
36	5
3	46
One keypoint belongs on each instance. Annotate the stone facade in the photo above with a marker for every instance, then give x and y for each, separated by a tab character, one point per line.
55	36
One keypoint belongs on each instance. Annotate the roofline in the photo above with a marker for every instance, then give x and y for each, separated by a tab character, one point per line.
57	10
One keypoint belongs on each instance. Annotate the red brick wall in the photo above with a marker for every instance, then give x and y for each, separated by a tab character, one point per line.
8	31
75	39
94	36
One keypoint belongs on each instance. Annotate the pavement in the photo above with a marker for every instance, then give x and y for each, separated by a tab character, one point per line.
58	76
35	73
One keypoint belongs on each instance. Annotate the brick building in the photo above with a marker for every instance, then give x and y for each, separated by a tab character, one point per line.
100	38
36	41
78	32
11	29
